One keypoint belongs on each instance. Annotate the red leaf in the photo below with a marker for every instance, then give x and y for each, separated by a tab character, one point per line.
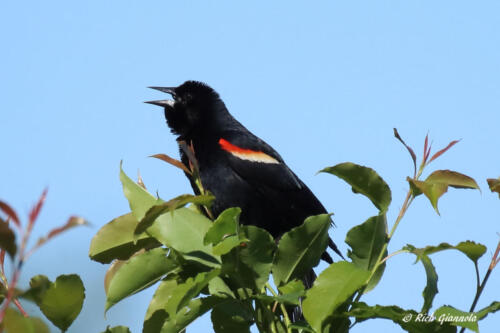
73	221
36	210
2	260
494	185
426	152
189	151
412	153
10	213
442	151
172	161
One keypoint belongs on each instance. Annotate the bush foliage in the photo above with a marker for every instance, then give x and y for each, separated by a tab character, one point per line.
240	274
246	278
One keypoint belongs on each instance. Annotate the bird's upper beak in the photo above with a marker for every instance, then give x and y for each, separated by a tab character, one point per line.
165	102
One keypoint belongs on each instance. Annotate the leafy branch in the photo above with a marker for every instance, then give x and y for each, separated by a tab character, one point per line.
212	263
42	291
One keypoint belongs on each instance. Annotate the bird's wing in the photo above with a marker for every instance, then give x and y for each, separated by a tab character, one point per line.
257	163
261	166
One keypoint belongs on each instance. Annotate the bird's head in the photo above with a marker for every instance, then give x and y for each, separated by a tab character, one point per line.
191	108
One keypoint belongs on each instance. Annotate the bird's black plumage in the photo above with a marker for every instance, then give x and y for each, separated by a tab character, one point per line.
237	167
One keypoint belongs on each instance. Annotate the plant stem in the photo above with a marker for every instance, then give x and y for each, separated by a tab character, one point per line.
402	211
392	255
480	289
476	268
283	309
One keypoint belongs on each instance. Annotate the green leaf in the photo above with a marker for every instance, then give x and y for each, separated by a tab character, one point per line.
339	281
471	249
115	240
453	179
15	322
193	310
157	210
182	230
448	314
339	323
227	244
494	185
139	199
232	316
225	225
437	184
290	293
288	299
409	320
415	186
63	300
294	286
174	306
249	265
218	287
139	272
366	241
364	180
433	191
188	290
156	314
431	288
38	286
300	249
223	233
7	239
302	327
492	308
117	329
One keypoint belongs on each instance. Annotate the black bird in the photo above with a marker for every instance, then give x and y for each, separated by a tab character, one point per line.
237	167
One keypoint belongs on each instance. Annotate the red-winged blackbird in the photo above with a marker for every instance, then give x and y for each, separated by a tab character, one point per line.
237	167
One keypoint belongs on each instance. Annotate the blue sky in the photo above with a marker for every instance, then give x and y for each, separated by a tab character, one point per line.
323	83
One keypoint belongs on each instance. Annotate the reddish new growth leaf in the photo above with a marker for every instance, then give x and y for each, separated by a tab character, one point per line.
412	153
2	254
189	151
442	151
11	214
36	210
427	149
73	221
172	161
496	258
2	260
494	185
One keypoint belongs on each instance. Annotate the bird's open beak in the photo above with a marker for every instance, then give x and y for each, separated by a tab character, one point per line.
166	102
163	103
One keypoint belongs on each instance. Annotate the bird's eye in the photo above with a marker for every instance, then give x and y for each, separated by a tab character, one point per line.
188	98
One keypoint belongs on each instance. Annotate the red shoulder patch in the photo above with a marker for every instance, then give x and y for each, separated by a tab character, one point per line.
246	154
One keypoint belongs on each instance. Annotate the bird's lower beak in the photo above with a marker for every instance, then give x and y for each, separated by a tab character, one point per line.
163	103
166	103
